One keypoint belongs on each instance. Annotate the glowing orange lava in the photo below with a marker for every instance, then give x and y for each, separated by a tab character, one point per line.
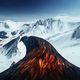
42	64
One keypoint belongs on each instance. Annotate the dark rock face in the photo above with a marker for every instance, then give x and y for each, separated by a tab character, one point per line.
6	25
3	35
76	33
13	33
42	62
10	48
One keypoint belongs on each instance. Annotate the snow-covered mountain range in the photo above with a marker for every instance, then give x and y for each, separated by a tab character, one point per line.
63	35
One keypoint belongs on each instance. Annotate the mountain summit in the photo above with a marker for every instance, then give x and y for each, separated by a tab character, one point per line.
41	62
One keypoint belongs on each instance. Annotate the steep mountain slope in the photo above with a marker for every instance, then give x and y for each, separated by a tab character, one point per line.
76	33
10	47
10	53
8	27
69	48
48	27
41	62
57	31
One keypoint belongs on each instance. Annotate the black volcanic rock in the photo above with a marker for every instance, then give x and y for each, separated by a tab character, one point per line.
42	62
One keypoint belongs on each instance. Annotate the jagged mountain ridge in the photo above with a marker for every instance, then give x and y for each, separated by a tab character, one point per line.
40	27
58	32
48	27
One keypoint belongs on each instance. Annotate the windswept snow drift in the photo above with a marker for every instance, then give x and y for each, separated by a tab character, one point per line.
61	32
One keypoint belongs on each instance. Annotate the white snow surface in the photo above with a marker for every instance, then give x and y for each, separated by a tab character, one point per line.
59	34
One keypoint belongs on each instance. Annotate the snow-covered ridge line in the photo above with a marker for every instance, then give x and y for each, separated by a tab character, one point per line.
62	18
62	34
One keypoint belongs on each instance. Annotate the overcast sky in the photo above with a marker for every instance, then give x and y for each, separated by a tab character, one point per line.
22	10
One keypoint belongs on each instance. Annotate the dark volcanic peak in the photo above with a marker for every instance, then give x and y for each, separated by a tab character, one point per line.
42	62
